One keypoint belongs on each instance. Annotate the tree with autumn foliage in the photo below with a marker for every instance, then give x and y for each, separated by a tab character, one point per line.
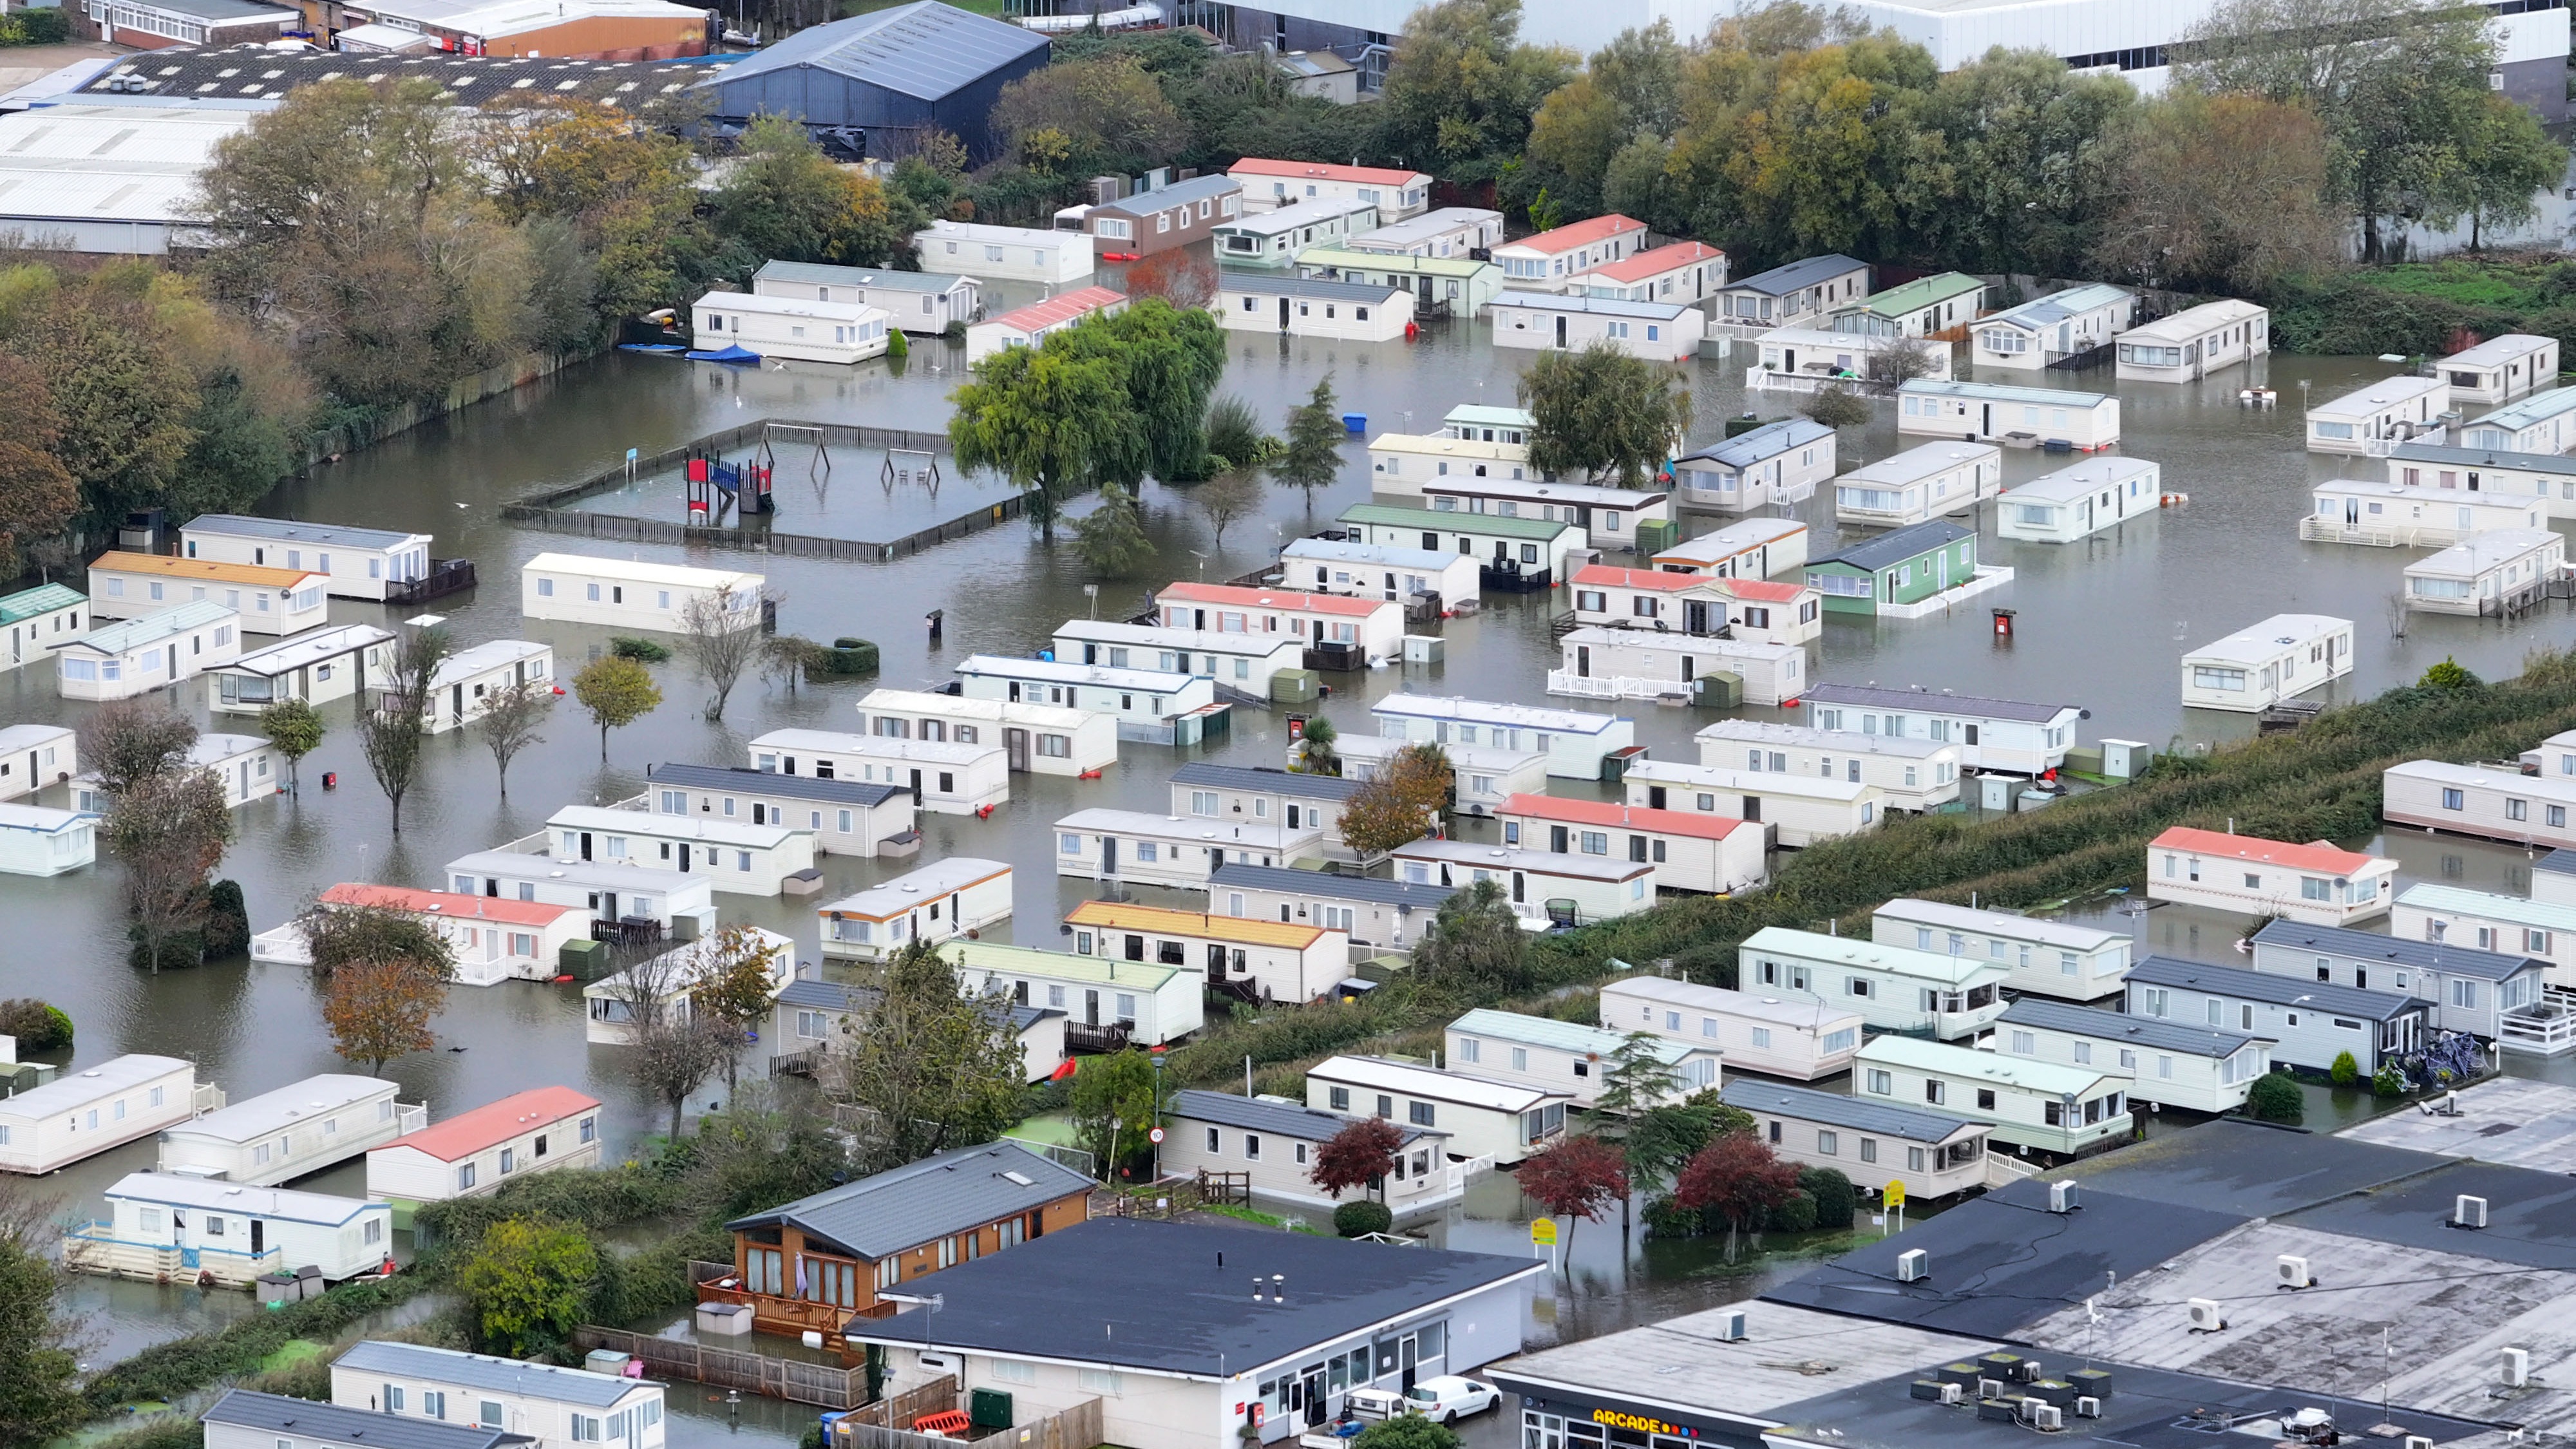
1422	775
1360	1155
1576	1177
786	201
1739	1178
739	969
37	493
385	975
1378	818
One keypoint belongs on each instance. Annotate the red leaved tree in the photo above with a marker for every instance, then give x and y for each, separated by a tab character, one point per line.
1740	1177
1360	1155
1576	1177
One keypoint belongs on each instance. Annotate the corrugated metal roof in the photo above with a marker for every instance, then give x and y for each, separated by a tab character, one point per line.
769	782
238	77
332	1424
482	1371
939	1195
1907	1124
925	49
2238	983
2119	1026
1276	1119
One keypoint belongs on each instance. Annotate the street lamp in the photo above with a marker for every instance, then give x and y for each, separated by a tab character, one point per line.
931	1301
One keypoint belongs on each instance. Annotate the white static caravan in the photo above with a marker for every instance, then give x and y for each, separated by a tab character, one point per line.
1602	663
544	1129
2315	884
1751	548
32	616
1932	1154
1611	516
120	661
1893	988
2496	802
2008	735
2544	422
1808	360
1485	1118
2442	915
289	1133
269	600
922	303
1402	464
944	777
1273	238
1655	331
2167	1063
1549	260
736	857
553	1406
627	594
1488	423
1796	810
1675	272
2542	477
317	666
83	1113
38	840
1919	484
2052	328
2502	572
1800	1040
2396	515
467	682
794	329
1241	661
1754	610
1262	960
1991	412
607	892
2497	371
1039	739
2065	1111
1542	887
1271	186
1484	777
1149	705
33	756
181	1229
1810	287
2262	664
1004	253
1154	1002
1273	1143
946	898
2078	501
1776	463
1711	854
1574	742
2045	958
1909	774
1369	910
845	816
362	563
245	765
1205	790
1518	554
609	1006
2479	992
1347	311
1540	1051
2194	342
2393	409
1169	850
1371	628
1380	570
1451	231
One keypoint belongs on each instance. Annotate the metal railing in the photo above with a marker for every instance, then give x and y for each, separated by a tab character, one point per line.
1623	686
2547	1029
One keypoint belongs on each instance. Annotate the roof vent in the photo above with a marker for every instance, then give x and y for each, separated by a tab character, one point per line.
1913	1266
2469	1212
2064	1196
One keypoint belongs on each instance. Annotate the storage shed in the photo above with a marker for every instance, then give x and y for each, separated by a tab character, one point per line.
2262	664
544	1129
2081	500
897	75
166	1228
1775	463
1772	1035
1918	484
292	1132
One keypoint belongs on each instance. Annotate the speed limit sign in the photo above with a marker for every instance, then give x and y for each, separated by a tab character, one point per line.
1155	1136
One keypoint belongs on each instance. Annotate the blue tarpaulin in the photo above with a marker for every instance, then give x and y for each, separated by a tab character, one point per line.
727	354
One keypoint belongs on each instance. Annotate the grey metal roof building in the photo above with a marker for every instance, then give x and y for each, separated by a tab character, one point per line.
1282	284
1273	1119
1189	1313
1254	779
1870	697
914	69
1898	545
345	1428
483	1371
937	1196
2244	985
1757	444
1856	1114
1789	278
770	782
1328	886
2178	1038
2483	457
2346	944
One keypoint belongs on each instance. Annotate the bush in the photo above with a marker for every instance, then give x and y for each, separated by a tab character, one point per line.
2448	675
2275	1098
1666	1218
642	651
954	331
2388	1082
1361	1217
227	930
160	1431
184	1365
2345	1071
34	27
812	1438
1406	1431
1795	1214
852	656
38	1026
1833	1195
896	347
307	1378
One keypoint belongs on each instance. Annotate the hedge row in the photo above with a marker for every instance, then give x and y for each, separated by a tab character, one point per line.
184	1365
2421	310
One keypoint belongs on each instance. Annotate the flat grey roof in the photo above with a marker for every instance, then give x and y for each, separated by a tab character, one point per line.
2119	1026
939	1195
1328	886
1281	284
1282	782
822	274
1767	441
770	782
1836	1110
2490	457
2511	1121
288	530
1277	1119
1977	706
2241	984
2236	1166
2371	946
1146	203
2531	1216
816	995
1898	545
1795	275
483	1371
333	1424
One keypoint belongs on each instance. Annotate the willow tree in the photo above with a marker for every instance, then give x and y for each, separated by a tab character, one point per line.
1044	419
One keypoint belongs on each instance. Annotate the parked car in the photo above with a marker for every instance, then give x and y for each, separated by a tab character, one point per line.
1449	1398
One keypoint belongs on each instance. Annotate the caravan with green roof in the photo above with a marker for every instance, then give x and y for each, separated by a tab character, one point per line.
1143	1003
36	619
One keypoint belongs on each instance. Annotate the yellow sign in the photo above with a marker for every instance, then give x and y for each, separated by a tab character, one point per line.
1618	1420
1895	1195
1543	1232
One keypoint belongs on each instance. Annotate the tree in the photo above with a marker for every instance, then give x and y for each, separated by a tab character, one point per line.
1661	1141
2510	160
1315	747
621	180
385	978
1377	818
40	1379
390	734
617	692
1090	115
937	1067
527	1284
1636	1077
511	715
1422	776
1631	91
2011	162
121	402
1832	1194
1461	90
1406	1431
1575	1177
2448	675
1044	419
1111	538
127	741
1476	939
1360	1155
1312	458
673	1046
293	729
1235	441
1168	360
786	201
38	1026
37	494
2275	1098
1113	1107
1890	368
721	632
1226	497
2228	193
1837	406
791	659
739	969
1603	413
1739	1178
168	830
2345	1071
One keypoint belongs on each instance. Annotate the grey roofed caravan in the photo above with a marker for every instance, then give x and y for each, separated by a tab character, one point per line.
1756	444
1274	1119
2236	981
2180	1038
1857	1114
483	1371
770	782
913	1204
1254	780
2396	950
1976	705
1328	885
335	1424
1789	278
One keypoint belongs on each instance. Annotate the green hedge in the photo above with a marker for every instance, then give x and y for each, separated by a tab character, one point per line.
184	1365
2420	308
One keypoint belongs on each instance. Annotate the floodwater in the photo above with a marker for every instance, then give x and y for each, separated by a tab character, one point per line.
2100	624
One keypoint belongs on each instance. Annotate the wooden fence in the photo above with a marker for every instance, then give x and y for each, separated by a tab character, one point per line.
1079	1427
825	1384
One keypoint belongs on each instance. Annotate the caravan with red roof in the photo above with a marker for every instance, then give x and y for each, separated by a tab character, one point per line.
1270	185
1690	852
2317	884
1751	609
472	1153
